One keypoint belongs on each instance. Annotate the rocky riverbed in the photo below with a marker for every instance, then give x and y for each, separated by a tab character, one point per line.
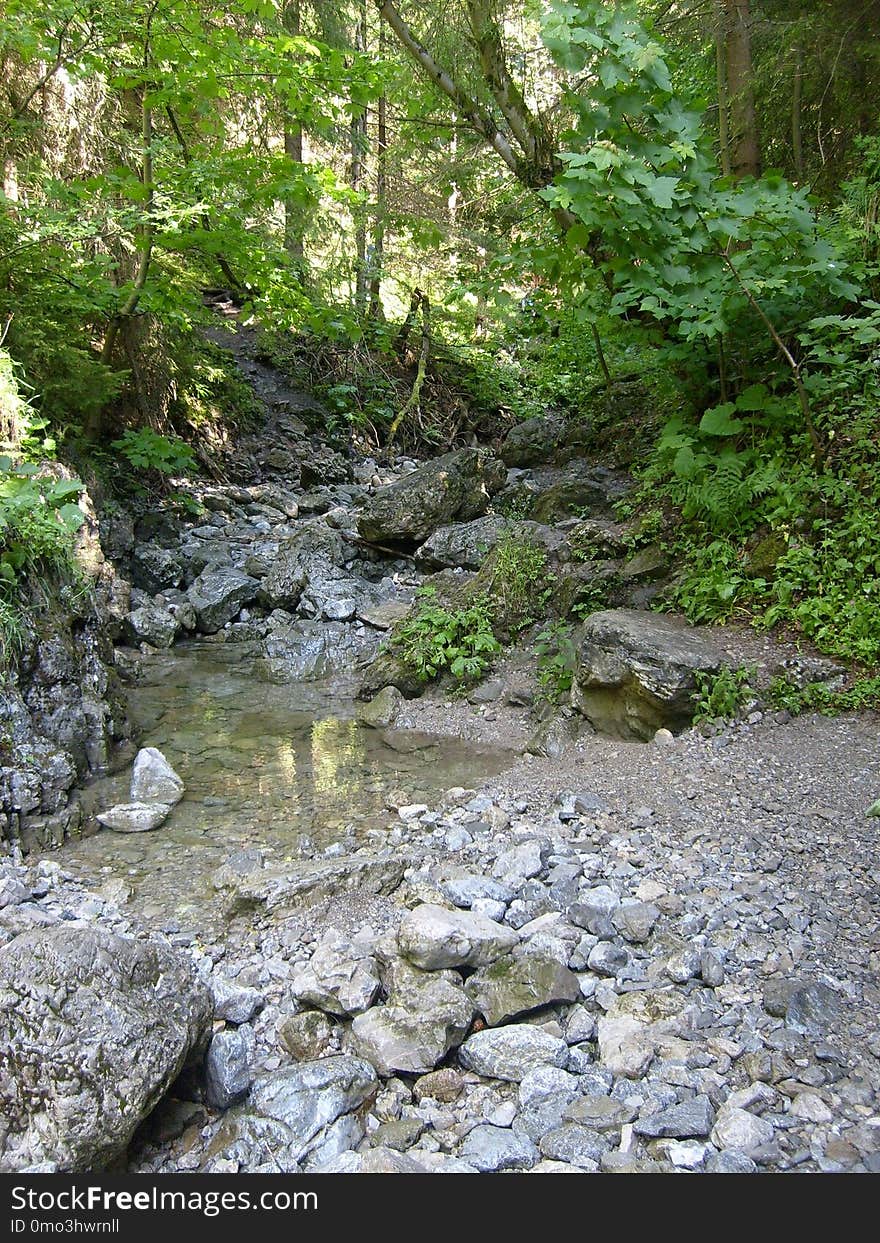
447	933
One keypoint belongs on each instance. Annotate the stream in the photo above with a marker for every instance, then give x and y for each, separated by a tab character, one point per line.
283	769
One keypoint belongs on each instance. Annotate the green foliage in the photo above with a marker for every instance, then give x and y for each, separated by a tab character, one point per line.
148	450
520	582
722	695
38	523
863	694
557	661
436	640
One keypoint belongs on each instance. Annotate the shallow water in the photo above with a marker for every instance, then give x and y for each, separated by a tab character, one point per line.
286	769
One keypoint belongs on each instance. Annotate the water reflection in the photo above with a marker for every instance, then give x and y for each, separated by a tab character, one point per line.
285	768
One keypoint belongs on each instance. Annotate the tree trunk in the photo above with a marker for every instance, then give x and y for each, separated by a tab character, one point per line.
723	94
797	137
293	149
359	146
377	258
745	149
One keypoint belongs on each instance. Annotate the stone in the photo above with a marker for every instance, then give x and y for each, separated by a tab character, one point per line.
426	1016
227	1069
155	569
635	921
607	959
337	979
810	1107
134	817
233	1003
575	1144
306	1036
153	780
151	624
382	710
445	1085
311	1099
741	1130
636	672
813	1009
689	1119
94	1029
382	1160
510	1053
463	889
283	585
533	441
626	1047
599	1113
462	545
433	937
492	1149
455	485
515	984
219	595
521	863
730	1163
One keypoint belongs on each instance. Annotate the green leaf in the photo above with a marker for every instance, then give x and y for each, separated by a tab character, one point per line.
717	421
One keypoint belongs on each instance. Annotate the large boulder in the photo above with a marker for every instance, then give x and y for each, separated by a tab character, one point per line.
219	595
637	672
94	1028
518	983
339	978
462	545
534	441
428	1013
455	486
153	780
580	488
434	938
319	1105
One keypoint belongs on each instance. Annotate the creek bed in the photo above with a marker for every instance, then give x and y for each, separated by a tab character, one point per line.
286	769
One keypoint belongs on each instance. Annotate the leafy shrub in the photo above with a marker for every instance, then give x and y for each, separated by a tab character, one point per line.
520	582
820	697
38	522
148	450
436	640
557	661
721	695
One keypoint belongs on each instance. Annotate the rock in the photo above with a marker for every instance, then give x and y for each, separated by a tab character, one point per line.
574	1144
382	710
512	1052
155	569
426	1016
690	1119
94	1028
433	938
580	487
337	979
599	1113
374	1161
227	1069
232	1003
307	1035
153	780
218	596
731	1163
462	545
134	817
626	1046
463	889
492	1149
319	1104
456	485
151	624
635	921
516	984
384	616
607	959
810	1107
282	587
813	1009
521	863
636	672
738	1129
533	441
